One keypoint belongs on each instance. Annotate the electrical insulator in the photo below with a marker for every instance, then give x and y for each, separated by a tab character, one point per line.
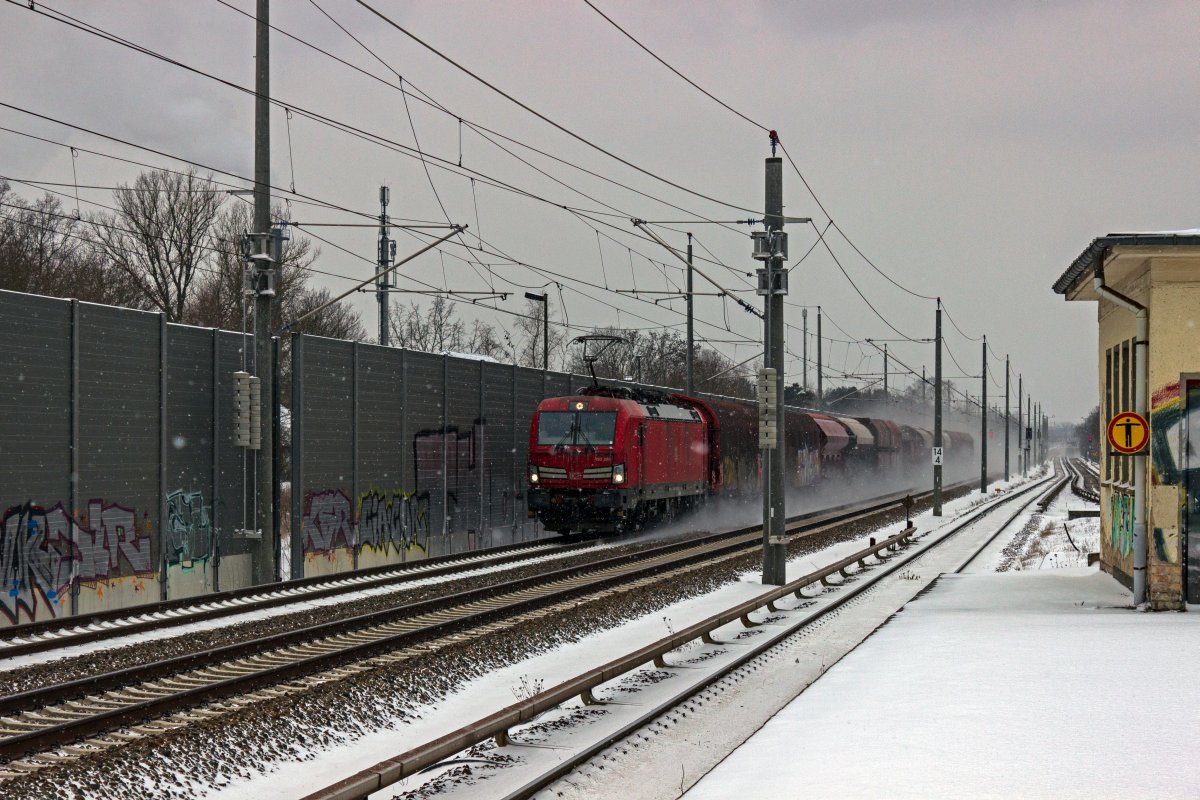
768	399
255	413
242	404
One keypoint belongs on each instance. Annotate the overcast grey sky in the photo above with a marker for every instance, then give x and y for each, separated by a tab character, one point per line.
970	149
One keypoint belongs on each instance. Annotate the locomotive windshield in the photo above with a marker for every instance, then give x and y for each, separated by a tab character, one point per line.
569	427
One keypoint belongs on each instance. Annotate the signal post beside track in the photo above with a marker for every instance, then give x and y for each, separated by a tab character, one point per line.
770	247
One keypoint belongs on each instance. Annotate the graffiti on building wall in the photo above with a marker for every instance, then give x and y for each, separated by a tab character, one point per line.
1121	516
188	529
1166	424
42	550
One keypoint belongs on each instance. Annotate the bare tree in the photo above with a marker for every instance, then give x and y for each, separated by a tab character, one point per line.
44	250
530	339
217	300
659	358
438	329
161	235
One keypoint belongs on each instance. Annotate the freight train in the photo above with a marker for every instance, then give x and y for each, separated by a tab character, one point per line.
611	459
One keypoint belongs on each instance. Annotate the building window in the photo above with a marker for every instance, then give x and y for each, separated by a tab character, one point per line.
1118	397
1107	412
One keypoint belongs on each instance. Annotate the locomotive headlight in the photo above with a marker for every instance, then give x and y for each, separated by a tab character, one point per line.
618	473
533	473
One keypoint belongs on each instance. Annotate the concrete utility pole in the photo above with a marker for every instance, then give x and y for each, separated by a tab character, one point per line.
804	346
1028	429
983	481
885	374
386	253
820	364
937	412
924	381
1020	423
264	485
1037	433
691	342
773	284
1045	435
1007	414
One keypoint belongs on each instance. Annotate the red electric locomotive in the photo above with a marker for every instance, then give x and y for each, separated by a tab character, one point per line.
609	459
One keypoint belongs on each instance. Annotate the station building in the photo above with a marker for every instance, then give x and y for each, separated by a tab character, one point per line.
1155	276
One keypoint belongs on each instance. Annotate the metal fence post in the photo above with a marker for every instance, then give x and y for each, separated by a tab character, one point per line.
354	453
73	477
479	459
162	455
405	533
276	460
515	465
445	474
214	544
297	529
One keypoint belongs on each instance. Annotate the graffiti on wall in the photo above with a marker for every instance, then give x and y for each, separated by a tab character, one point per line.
386	521
1166	424
1121	516
808	466
328	521
188	529
42	550
461	450
393	521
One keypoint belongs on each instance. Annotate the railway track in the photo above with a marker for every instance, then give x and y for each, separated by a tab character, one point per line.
887	556
56	634
1085	482
47	726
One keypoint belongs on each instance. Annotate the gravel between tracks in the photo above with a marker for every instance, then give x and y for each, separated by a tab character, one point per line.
187	761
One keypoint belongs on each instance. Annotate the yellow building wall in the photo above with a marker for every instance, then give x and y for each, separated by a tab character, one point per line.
1116	497
1170	288
1174	351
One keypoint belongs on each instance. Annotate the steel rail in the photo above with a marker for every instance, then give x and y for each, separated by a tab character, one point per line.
37	637
55	715
497	725
1081	482
1043	502
54	634
97	626
64	691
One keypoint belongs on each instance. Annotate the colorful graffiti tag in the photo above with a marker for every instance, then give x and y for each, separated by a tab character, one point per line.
328	521
386	522
1121	533
393	521
42	550
188	529
1166	423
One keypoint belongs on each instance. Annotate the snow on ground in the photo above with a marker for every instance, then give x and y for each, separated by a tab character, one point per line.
1016	684
1010	684
1045	541
496	689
